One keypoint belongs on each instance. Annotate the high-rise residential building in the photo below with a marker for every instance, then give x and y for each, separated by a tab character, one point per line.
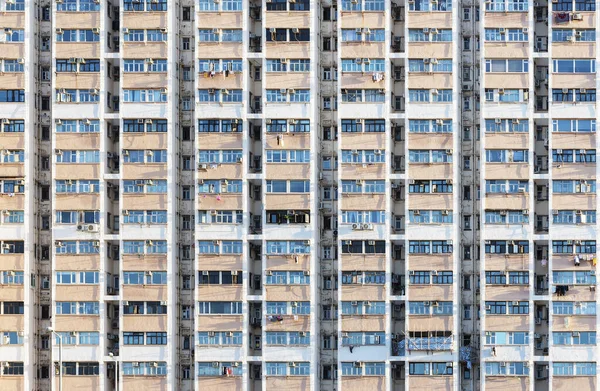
298	195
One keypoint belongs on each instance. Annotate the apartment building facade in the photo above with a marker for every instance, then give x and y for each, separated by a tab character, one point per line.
298	195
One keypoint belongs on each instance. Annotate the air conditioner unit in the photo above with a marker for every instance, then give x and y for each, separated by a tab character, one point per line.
577	16
59	31
92	228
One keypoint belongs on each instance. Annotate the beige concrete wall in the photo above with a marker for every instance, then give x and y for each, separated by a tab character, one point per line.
507	201
77	262
574	50
431	292
77	323
223	49
288	383
145	323
287	171
144	201
430	170
223	20
574	323
361	383
12	383
502	383
566	262
287	80
144	383
13	20
290	141
506	322
287	50
137	50
144	80
441	20
226	202
219	383
77	292
426	80
430	382
219	292
12	292
287	201
77	20
506	19
361	19
220	322
585	171
77	80
570	383
13	80
77	141
360	80
365	262
507	80
352	323
363	292
573	201
506	50
91	383
13	50
577	293
229	171
430	201
12	140
290	323
362	140
362	49
573	80
220	140
220	262
16	202
506	293
144	262
506	170
506	140
287	292
219	81
12	169
11	322
362	171
144	293
430	261
437	50
144	171
288	262
145	140
144	20
506	262
574	140
426	322
77	171
77	49
363	201
430	140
